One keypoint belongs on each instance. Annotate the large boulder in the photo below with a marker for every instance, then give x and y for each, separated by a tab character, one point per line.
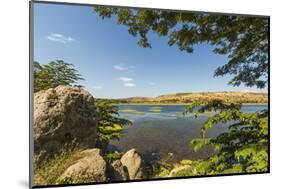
62	115
118	172
134	164
91	167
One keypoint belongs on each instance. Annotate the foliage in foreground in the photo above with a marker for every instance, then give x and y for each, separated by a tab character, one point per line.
243	39
243	149
110	125
162	167
53	74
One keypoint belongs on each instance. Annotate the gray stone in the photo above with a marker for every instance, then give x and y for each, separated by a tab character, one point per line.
61	115
134	164
91	167
118	172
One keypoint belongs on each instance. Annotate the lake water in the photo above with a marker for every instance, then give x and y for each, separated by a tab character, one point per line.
159	130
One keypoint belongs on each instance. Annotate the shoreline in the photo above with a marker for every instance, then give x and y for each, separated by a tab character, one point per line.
174	104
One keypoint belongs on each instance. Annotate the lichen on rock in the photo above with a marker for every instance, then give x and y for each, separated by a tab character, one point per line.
91	167
134	164
62	115
118	172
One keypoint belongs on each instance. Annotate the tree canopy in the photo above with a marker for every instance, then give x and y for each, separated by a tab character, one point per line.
244	148
243	39
53	74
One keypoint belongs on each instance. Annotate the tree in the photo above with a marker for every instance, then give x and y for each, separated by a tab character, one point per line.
110	125
54	74
243	39
243	148
58	73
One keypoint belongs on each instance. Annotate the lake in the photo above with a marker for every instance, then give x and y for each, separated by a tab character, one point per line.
159	130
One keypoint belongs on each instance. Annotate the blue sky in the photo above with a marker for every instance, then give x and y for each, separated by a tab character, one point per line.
112	63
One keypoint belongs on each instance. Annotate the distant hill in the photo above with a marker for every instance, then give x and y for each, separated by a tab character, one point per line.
240	97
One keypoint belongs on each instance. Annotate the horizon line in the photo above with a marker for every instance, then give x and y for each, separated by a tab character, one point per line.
116	98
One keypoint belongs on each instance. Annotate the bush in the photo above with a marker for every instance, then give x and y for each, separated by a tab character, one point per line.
244	148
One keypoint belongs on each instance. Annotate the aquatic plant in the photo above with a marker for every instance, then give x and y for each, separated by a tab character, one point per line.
130	111
155	109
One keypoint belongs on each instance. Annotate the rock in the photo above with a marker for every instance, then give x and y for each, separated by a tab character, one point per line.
91	167
118	172
61	115
178	169
134	164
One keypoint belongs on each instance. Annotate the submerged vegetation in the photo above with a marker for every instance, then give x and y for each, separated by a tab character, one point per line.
131	111
155	109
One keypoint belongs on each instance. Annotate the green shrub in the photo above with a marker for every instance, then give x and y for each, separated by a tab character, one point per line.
243	148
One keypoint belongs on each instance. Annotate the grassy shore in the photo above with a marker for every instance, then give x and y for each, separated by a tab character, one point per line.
150	104
174	104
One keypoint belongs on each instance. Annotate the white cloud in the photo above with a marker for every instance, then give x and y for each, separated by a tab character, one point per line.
129	84
61	38
152	83
98	87
120	67
126	79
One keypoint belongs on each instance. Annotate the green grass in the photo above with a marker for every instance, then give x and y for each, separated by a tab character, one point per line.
48	171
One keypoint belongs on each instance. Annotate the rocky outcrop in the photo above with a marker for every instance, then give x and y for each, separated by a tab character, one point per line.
118	172
65	114
91	167
61	115
134	164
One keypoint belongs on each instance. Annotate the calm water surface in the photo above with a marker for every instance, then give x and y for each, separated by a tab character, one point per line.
155	134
